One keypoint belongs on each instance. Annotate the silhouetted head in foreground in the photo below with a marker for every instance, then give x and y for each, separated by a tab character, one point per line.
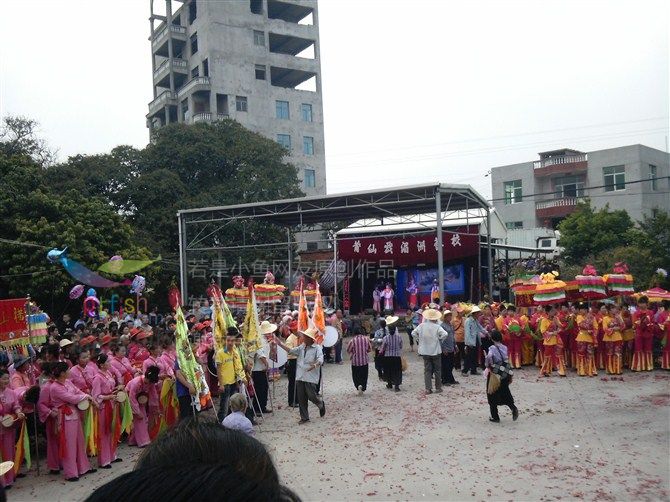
199	461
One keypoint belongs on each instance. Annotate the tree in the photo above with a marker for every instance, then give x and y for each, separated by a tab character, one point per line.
655	236
588	233
18	137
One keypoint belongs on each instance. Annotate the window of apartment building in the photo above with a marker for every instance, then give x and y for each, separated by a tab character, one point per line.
205	67
545	243
306	110
194	43
512	191
615	178
569	186
192	11
513	225
282	110
259	38
308	145
241	104
653	177
284	140
310	178
260	72
256	6
195	72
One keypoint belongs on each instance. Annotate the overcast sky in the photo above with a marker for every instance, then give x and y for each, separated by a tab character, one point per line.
414	91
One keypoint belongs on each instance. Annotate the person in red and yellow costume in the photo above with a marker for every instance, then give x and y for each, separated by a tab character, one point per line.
501	323
600	311
514	335
644	335
567	320
665	341
613	325
628	334
535	319
551	327
586	340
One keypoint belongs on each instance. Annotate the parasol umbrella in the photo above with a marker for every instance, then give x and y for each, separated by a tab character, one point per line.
591	285
655	295
551	290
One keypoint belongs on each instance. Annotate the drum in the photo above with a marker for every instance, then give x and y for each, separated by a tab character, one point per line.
83	405
331	336
7	420
121	396
142	398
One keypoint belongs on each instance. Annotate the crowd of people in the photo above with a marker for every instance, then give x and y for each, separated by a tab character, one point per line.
128	370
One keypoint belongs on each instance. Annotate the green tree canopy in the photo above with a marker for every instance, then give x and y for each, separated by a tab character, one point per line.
588	232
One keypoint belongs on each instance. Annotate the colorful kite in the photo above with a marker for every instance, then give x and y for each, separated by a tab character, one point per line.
81	273
117	265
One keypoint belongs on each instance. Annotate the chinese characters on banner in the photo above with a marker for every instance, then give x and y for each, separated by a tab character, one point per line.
412	250
13	319
346	301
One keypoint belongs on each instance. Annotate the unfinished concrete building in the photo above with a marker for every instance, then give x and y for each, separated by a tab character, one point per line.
255	61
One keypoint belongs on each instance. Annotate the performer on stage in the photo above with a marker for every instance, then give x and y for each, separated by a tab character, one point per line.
435	292
376	300
644	336
413	293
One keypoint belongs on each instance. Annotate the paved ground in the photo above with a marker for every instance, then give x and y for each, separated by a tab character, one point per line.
576	438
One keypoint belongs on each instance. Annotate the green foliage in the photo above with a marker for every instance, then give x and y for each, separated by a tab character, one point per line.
587	232
606	237
126	201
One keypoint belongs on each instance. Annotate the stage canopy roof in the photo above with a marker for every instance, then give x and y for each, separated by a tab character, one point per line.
349	206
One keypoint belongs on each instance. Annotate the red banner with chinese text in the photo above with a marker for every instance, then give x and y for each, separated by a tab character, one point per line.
13	319
411	250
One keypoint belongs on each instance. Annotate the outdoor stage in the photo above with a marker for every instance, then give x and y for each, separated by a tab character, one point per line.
446	224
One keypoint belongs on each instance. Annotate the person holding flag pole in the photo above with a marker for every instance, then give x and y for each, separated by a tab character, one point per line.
188	372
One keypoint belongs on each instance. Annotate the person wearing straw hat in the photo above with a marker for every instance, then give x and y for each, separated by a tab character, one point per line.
308	371
473	333
391	349
429	335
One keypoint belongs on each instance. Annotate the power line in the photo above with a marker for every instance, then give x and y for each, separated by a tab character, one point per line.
484	138
19	243
495	149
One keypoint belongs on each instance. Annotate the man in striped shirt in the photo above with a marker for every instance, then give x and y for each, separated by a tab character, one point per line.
358	349
392	350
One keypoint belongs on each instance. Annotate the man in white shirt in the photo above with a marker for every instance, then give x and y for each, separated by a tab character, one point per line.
429	334
259	373
308	370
